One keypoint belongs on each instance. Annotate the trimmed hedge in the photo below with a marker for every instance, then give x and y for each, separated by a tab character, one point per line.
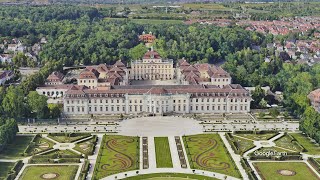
14	170
248	169
314	163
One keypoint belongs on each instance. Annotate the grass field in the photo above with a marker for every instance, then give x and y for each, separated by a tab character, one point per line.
244	144
170	176
16	147
257	137
63	172
163	154
85	147
270	170
285	142
306	143
66	138
207	152
41	144
117	154
5	168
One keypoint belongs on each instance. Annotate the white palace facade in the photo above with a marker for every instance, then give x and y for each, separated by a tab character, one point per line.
107	89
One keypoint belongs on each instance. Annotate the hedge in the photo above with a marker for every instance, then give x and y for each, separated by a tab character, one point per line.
14	170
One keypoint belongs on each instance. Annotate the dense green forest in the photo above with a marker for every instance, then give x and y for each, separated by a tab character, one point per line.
82	35
8	130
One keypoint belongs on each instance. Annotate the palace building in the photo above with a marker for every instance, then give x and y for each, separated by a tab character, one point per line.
107	89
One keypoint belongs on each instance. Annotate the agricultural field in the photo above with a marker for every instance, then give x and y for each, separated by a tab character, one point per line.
307	144
169	176
284	171
163	154
117	154
61	172
207	152
5	167
15	149
147	21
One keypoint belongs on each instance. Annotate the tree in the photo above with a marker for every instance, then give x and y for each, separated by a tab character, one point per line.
13	102
138	51
274	112
55	110
257	95
38	104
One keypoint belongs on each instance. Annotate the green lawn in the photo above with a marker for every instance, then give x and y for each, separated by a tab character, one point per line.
307	144
85	147
16	147
117	154
41	144
285	142
207	152
163	154
62	138
169	176
61	152
257	137
63	172
272	149
269	170
5	168
244	144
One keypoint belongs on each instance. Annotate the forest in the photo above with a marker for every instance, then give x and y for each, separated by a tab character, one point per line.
81	35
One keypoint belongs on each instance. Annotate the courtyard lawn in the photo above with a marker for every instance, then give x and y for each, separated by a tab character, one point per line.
244	144
273	170
285	142
86	147
66	138
5	167
257	137
41	144
170	176
207	152
307	144
59	172
117	154
163	154
61	152
272	149
16	147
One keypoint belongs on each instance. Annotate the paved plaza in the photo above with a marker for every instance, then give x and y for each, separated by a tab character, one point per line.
160	126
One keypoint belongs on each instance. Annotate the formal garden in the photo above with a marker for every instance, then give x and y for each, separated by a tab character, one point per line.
68	137
61	172
208	152
163	154
310	147
86	146
284	171
117	154
169	176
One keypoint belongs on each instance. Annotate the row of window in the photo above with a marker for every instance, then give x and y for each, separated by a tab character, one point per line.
139	108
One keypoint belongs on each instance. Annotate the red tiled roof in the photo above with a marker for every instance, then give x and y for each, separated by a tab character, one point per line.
151	55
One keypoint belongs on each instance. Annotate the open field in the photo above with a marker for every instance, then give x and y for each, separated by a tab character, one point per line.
170	176
163	154
63	172
16	147
147	21
207	152
284	171
307	144
117	154
257	137
5	167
